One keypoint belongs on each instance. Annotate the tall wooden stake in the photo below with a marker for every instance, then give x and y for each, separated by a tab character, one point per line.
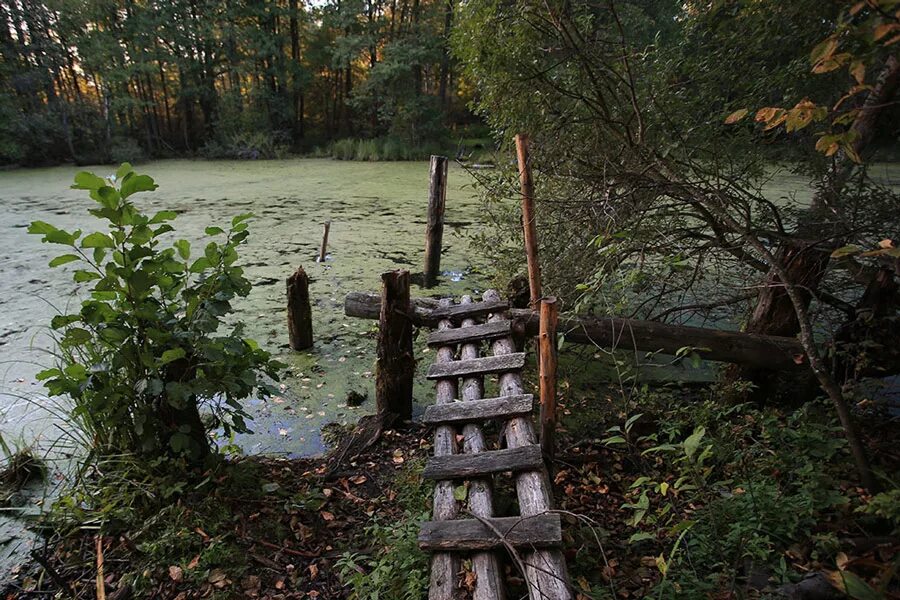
434	231
528	219
547	357
299	312
395	366
324	249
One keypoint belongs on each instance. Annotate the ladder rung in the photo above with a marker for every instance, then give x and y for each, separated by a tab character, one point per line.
473	534
473	309
471	334
478	410
466	466
477	366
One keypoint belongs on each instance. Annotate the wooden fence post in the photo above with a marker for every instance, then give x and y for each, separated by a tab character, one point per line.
528	219
299	313
434	231
395	364
547	357
324	249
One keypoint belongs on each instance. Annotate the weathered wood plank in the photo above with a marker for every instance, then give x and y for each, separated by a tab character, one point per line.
477	366
461	311
479	410
473	534
463	466
470	335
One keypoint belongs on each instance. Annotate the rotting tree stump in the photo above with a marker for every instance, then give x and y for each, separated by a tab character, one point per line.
395	366
299	312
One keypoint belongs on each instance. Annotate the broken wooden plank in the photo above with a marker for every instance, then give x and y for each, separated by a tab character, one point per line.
470	335
463	466
479	410
474	534
477	366
461	311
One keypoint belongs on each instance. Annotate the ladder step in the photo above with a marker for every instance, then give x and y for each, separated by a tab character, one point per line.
470	335
472	534
473	309
478	410
477	366
466	466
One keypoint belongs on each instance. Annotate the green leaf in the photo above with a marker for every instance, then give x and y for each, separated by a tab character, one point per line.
81	276
214	230
137	183
47	374
60	321
846	251
460	493
693	441
97	240
64	259
124	170
200	265
240	218
616	439
163	215
88	181
171	355
59	236
640	537
41	228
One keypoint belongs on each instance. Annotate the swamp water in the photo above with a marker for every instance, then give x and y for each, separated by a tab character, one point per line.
377	213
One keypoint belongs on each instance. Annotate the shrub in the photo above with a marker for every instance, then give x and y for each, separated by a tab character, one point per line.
144	353
126	150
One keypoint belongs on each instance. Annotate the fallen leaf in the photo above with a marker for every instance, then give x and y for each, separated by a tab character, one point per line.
176	573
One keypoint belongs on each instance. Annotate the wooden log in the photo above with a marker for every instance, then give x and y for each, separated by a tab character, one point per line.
528	218
545	570
547	340
503	407
477	366
464	466
395	366
299	312
434	230
474	534
445	566
470	334
480	498
765	351
324	248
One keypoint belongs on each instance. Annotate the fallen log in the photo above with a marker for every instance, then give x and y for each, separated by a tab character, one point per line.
757	350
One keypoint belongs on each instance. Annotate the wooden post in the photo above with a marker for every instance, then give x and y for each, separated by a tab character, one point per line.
528	219
299	313
434	231
547	357
395	364
324	247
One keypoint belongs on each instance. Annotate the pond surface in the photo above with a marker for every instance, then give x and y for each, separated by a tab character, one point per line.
377	214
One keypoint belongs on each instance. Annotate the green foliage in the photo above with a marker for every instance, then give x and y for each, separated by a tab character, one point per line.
397	570
725	487
144	352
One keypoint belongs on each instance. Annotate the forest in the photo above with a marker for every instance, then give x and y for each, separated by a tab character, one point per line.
490	299
112	81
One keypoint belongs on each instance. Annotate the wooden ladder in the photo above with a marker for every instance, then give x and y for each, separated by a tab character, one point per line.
532	538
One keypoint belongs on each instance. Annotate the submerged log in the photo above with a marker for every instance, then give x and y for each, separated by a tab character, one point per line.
763	351
299	312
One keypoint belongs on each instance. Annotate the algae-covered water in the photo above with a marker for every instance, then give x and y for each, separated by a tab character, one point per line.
377	214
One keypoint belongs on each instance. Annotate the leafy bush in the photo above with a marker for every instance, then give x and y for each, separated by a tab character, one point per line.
247	145
126	150
383	149
143	353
